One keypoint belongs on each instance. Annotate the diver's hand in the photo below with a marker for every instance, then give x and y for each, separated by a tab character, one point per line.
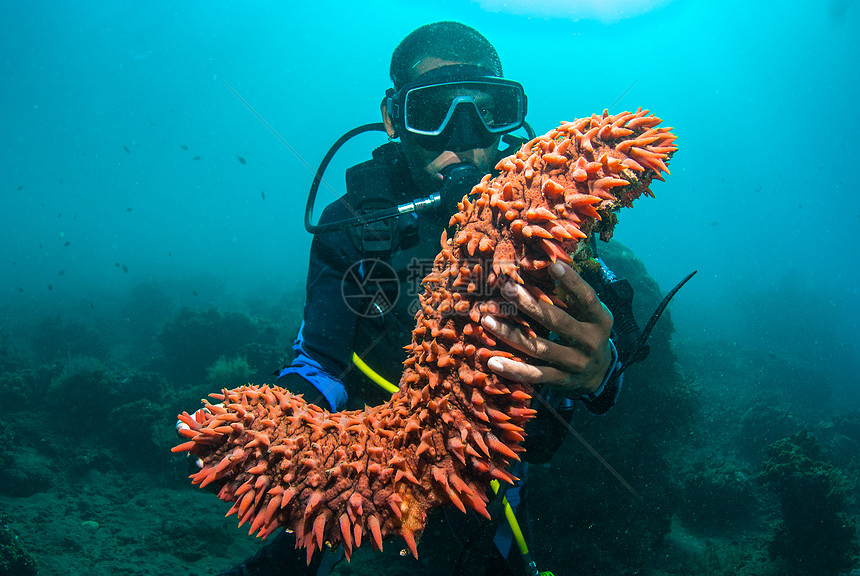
184	431
577	363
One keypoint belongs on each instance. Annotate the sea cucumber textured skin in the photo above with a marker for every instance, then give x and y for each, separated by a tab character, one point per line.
340	478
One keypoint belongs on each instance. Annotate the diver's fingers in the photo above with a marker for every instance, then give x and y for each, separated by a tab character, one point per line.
199	416
548	315
183	429
534	346
579	359
583	305
581	298
533	375
516	371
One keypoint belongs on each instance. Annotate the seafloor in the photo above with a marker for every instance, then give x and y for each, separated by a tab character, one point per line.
738	462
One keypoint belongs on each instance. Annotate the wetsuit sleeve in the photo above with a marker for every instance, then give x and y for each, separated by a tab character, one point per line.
324	344
605	397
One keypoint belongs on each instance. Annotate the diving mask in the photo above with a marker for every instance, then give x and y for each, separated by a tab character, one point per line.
457	107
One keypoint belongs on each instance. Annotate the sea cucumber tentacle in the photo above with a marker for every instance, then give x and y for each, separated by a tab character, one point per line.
454	425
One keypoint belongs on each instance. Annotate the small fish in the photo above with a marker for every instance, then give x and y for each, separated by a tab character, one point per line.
67	243
240	159
20	188
183	146
263	194
194	292
20	290
60	215
125	268
92	306
127	151
117	264
62	272
50	287
196	158
128	209
170	254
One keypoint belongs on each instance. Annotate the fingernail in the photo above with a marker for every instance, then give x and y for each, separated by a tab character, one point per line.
489	322
556	270
495	364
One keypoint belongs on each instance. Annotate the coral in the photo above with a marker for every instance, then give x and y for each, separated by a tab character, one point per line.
816	535
842	442
454	425
718	495
7	455
763	424
28	473
225	372
113	409
15	560
137	423
83	394
15	387
56	338
193	341
10	358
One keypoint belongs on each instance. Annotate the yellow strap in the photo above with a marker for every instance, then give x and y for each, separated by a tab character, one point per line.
373	375
391	389
512	520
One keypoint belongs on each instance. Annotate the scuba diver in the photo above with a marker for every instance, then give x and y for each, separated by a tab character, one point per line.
448	113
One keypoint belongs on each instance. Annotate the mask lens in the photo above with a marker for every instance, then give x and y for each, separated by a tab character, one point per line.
426	109
506	108
429	109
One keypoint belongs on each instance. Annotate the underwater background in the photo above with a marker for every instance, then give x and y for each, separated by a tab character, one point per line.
153	250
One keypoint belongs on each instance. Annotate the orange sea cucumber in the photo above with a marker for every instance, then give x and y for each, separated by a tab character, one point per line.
337	478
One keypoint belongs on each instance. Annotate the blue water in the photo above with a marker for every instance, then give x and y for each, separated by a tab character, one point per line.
99	102
134	181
